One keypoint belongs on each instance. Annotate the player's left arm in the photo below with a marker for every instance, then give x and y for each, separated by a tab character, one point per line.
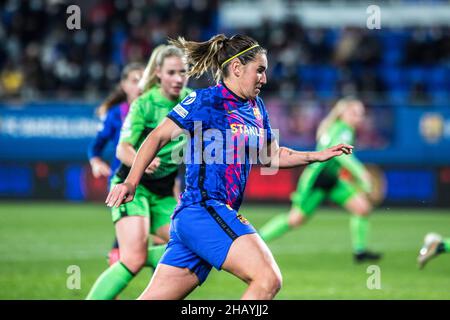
283	157
274	156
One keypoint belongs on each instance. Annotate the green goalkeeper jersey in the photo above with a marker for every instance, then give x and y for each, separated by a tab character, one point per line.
145	114
340	132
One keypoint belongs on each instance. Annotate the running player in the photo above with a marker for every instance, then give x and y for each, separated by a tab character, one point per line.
113	112
163	84
206	228
434	244
322	180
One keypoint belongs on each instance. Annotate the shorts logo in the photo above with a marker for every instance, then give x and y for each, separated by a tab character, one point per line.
182	112
190	98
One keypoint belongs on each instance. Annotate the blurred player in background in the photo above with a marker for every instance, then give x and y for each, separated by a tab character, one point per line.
321	180
163	86
206	228
113	112
434	244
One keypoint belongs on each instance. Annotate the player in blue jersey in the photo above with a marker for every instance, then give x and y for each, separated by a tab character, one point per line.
227	119
112	112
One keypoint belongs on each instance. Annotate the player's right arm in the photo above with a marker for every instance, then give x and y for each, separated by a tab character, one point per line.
158	138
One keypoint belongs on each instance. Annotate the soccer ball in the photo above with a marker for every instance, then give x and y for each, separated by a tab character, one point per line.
432	237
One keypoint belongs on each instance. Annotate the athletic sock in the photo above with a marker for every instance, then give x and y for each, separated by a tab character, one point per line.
154	254
275	227
359	228
111	282
446	243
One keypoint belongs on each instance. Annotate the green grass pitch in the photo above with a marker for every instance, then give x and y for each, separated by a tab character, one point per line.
39	241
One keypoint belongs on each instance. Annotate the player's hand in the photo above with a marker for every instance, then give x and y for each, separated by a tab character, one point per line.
121	193
153	166
99	168
334	151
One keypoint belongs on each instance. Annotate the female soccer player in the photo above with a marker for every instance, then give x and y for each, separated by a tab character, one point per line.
322	180
206	228
113	112
163	85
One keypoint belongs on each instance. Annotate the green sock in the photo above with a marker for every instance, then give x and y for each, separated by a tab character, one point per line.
111	282
275	228
359	228
446	245
154	254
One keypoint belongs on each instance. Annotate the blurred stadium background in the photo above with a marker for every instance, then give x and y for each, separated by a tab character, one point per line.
53	78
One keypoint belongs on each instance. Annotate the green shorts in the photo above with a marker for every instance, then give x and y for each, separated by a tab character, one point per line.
146	204
314	188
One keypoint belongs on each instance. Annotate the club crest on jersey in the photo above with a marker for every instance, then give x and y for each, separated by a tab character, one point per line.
257	113
242	219
190	98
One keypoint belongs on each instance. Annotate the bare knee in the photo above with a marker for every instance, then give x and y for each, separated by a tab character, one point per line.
269	282
296	218
363	209
359	205
134	261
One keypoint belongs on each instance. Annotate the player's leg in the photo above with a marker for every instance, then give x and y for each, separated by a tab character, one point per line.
154	241
250	259
433	245
132	227
180	270
170	283
114	253
305	200
226	240
213	234
161	209
303	207
348	196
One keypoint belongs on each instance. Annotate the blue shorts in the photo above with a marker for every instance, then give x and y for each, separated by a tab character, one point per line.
201	235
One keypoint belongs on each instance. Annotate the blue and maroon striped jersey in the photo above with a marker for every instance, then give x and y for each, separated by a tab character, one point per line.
226	134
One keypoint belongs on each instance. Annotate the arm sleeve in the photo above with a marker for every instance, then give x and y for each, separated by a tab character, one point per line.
188	111
134	124
104	134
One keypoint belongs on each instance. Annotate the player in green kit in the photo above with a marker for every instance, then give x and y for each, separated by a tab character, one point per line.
163	85
322	179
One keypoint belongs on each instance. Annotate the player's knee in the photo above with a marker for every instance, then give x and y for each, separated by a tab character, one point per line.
113	256
360	206
134	261
272	283
296	218
269	281
364	208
